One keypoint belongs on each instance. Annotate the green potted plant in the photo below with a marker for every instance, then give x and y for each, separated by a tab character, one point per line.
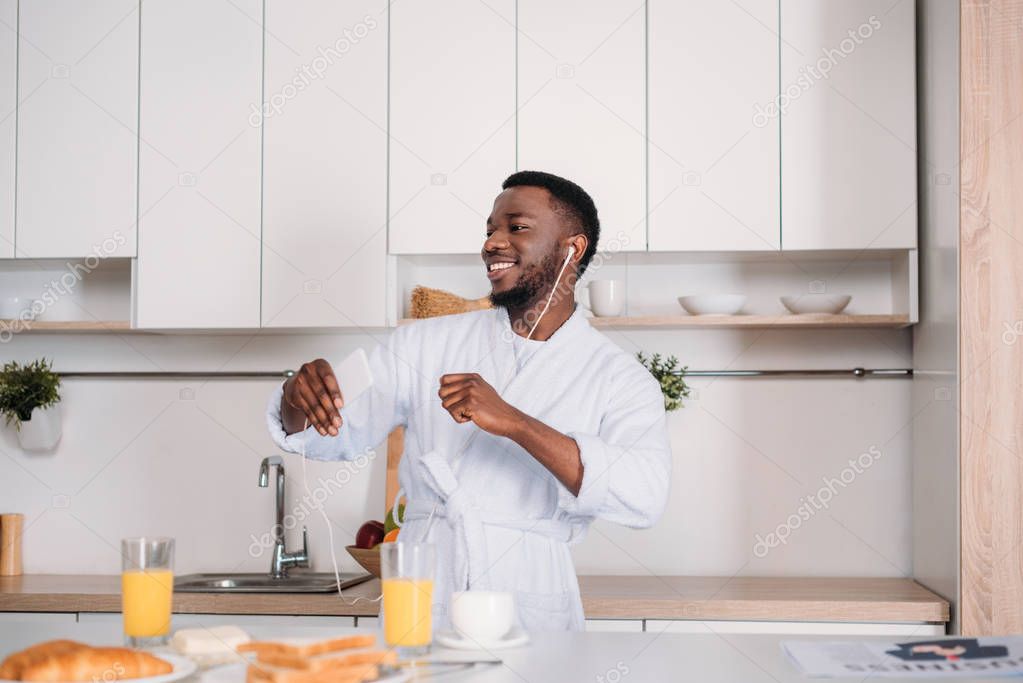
30	399
670	376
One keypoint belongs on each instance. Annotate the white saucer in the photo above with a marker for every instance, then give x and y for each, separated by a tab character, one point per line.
450	638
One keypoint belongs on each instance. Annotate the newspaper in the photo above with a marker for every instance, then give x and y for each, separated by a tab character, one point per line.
938	658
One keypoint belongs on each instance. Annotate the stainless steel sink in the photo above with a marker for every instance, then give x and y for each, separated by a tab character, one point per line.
307	582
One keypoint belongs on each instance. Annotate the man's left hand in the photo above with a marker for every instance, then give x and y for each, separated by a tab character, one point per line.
468	397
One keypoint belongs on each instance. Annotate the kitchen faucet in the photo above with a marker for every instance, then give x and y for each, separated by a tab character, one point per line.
282	560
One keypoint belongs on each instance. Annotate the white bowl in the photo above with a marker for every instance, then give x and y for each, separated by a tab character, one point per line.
713	304
816	303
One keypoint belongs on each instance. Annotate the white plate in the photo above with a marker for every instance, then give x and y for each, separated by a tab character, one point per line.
515	638
183	667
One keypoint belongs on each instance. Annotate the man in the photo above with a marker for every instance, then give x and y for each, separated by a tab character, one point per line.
524	424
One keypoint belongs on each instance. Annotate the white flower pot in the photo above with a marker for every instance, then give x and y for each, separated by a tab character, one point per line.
43	431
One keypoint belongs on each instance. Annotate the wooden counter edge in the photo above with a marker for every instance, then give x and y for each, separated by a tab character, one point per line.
770	610
921	606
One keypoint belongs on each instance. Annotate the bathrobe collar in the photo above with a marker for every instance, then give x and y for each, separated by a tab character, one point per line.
508	377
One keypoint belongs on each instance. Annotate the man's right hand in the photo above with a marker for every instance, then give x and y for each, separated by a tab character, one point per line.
314	395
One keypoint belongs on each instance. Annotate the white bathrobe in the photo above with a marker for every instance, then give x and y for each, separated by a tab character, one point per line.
501	520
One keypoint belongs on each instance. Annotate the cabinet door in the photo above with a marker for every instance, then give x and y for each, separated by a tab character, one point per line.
848	125
8	119
713	162
452	121
77	128
199	241
614	625
324	163
582	106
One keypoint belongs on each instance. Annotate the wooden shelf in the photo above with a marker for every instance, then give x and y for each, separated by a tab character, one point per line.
854	599
783	321
806	320
65	325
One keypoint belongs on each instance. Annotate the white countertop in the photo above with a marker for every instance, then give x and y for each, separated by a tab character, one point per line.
550	658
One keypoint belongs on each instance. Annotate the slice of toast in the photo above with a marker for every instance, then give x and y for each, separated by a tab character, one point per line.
317	662
356	673
264	647
321	663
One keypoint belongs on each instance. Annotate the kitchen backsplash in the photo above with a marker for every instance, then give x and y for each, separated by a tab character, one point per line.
771	477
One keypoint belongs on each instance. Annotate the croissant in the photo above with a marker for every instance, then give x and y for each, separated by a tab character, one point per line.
12	667
101	664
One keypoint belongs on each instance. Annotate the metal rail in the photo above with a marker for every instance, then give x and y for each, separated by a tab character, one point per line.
852	373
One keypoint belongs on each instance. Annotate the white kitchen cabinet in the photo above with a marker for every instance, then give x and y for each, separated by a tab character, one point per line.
325	163
8	119
803	628
582	106
713	164
615	625
35	619
848	138
199	176
452	121
77	128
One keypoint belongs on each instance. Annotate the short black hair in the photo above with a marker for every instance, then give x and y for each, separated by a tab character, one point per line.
569	200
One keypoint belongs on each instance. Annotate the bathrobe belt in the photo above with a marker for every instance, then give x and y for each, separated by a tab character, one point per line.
467	519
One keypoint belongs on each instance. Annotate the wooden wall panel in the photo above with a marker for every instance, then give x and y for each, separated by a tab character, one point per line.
991	305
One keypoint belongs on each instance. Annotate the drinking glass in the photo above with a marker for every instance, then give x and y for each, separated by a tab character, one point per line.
407	572
147	590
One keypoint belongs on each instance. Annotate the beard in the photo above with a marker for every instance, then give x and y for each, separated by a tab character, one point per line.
532	284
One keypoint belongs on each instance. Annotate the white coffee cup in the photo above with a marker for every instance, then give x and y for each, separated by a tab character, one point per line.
17	308
482	615
607	297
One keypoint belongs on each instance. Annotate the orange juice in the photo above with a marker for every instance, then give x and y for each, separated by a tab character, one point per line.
146	598
407	621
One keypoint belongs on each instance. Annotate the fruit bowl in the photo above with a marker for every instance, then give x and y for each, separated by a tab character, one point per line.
368	558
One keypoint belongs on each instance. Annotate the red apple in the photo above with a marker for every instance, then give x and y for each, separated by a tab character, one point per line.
369	534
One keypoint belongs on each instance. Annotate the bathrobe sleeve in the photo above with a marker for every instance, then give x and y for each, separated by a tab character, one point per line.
365	421
627	464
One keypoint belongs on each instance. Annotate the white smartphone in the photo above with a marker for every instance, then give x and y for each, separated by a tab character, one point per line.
353	375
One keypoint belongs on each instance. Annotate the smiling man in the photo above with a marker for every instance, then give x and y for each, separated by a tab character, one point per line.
524	424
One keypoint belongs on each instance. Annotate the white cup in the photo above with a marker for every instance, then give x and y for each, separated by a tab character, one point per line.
482	615
16	308
607	297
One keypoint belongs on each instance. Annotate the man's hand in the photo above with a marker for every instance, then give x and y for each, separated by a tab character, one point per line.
312	394
468	397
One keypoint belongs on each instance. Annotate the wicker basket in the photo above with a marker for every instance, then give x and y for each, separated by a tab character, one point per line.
429	303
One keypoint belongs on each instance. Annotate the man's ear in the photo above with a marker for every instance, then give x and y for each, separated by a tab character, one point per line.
580	242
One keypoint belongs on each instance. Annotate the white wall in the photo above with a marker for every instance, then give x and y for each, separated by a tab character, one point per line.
181	458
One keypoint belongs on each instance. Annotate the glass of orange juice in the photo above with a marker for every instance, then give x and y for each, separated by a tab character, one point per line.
406	572
147	590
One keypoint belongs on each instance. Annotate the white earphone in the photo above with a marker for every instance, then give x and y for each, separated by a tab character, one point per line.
571	252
